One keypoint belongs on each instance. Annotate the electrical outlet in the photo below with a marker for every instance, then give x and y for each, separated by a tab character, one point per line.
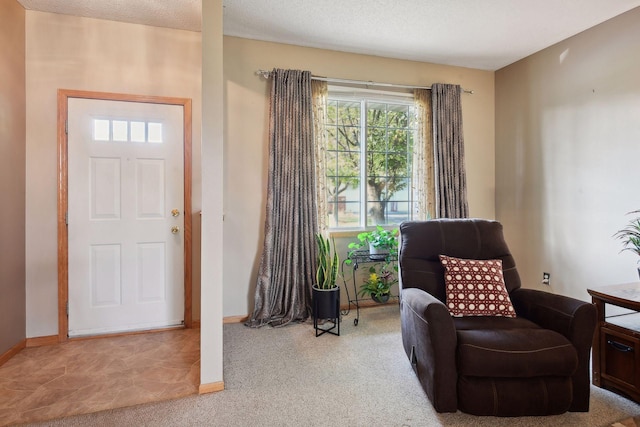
546	279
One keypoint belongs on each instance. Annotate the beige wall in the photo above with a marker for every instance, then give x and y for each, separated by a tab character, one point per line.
246	143
567	150
12	174
80	53
66	52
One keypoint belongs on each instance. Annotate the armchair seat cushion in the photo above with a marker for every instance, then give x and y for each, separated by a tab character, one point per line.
493	322
514	353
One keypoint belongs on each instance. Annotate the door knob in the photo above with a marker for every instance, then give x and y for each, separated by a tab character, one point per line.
175	212
175	229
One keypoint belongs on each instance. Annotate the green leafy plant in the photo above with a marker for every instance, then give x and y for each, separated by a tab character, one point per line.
378	238
328	261
379	282
630	235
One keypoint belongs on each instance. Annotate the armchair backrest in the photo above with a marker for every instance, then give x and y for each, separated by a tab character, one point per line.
421	242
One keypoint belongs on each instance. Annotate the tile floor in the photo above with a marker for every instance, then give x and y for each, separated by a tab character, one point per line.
42	383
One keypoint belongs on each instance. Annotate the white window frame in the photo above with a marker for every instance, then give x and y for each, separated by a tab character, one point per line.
365	96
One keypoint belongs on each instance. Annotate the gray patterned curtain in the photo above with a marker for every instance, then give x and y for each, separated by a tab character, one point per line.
451	180
287	267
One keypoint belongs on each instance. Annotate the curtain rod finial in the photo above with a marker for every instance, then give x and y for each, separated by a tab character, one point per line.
263	73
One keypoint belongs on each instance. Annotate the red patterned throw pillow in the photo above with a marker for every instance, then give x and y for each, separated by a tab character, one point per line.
476	287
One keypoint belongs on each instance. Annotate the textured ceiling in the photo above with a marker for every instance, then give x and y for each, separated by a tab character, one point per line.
180	14
484	34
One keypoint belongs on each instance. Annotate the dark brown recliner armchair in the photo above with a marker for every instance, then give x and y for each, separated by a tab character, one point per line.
536	363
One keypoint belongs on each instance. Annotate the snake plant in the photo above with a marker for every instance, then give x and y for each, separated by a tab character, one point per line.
327	263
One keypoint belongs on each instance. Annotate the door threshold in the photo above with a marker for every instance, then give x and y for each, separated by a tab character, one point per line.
126	333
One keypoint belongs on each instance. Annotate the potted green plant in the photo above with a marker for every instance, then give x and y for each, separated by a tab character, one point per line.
630	236
378	284
326	292
380	242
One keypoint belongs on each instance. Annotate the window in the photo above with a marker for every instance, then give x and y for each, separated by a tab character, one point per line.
127	131
369	159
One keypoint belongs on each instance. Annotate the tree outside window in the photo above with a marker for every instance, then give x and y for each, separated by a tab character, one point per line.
369	161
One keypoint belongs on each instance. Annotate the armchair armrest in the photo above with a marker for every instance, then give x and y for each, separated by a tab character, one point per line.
429	339
574	319
568	316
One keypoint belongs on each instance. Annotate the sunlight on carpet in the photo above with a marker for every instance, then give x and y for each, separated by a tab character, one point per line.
628	422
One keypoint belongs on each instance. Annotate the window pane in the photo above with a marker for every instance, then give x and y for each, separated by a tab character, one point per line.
338	186
332	138
348	138
349	113
376	139
138	131
398	140
120	130
348	166
376	212
101	130
351	216
398	212
332	112
344	214
376	115
398	189
332	168
410	136
332	189
398	116
344	193
155	132
397	164
377	164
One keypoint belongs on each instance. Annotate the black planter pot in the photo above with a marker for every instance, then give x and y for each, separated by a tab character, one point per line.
326	306
380	299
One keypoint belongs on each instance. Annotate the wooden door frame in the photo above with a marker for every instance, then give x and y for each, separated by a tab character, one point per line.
63	197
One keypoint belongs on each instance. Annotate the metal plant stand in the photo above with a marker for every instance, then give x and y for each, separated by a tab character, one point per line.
357	258
326	308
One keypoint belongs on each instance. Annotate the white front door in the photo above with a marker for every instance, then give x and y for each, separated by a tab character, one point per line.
125	217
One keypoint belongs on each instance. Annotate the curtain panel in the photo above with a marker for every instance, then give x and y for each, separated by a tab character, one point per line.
319	93
423	179
448	140
287	266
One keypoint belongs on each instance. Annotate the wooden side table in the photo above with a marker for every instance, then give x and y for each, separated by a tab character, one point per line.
616	343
